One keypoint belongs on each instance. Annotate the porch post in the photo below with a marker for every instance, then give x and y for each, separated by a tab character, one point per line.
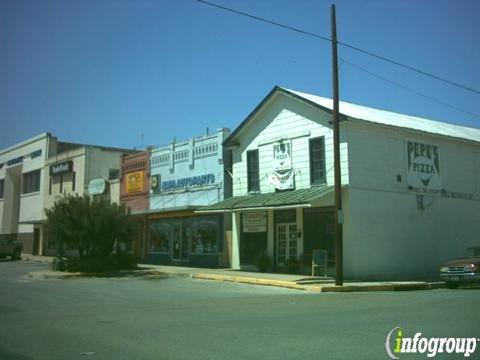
235	261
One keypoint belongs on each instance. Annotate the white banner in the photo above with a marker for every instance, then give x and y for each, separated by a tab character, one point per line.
283	176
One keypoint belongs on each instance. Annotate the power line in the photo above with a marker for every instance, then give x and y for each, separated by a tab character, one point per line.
304	32
409	89
265	20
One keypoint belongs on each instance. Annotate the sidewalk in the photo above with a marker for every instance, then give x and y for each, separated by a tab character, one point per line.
298	282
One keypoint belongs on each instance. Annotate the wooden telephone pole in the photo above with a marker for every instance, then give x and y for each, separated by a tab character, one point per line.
336	159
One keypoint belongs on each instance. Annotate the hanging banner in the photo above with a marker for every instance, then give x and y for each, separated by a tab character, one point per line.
283	175
423	166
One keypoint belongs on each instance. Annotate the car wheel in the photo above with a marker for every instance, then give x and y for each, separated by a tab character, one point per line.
452	285
16	255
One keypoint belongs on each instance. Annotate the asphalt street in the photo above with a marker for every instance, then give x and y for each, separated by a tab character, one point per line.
182	318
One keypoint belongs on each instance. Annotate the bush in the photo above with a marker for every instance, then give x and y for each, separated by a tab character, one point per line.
97	264
292	266
89	226
263	262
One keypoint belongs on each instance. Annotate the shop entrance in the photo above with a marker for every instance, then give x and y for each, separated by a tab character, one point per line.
286	242
180	243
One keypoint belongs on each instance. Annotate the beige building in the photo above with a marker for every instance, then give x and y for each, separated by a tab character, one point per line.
81	169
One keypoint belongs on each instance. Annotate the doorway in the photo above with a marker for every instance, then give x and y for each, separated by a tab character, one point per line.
36	241
180	243
286	242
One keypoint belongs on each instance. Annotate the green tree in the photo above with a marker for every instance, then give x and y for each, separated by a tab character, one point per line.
90	226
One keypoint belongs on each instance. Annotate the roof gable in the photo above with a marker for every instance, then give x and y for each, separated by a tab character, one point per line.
368	114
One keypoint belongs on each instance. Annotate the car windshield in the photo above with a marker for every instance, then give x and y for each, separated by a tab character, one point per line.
472	252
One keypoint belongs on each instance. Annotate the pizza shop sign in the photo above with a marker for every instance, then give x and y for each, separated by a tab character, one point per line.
423	166
282	176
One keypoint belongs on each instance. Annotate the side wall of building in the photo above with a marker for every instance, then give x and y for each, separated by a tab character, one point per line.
395	231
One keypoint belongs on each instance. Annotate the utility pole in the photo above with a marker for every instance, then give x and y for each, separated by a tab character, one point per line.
336	159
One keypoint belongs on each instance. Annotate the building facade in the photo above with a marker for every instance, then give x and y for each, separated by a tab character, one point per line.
185	176
410	187
21	189
78	169
135	193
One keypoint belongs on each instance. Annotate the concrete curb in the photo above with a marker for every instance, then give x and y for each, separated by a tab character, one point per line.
248	280
323	288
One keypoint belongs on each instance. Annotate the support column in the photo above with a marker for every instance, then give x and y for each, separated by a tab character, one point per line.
235	261
299	231
270	234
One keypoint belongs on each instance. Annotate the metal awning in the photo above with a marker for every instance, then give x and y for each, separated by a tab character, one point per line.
276	200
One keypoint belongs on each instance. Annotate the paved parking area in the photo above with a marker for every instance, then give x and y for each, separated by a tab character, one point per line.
183	318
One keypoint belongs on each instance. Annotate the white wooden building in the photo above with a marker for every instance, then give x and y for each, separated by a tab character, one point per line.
411	187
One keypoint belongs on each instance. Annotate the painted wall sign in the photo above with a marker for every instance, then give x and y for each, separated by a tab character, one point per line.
423	166
134	182
97	186
61	168
282	176
188	182
254	222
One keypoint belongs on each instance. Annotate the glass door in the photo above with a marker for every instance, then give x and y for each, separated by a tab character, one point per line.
180	243
286	242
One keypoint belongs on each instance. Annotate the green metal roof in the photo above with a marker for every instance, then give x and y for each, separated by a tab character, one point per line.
269	200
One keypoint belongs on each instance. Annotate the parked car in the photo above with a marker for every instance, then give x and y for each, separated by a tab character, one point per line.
10	247
462	271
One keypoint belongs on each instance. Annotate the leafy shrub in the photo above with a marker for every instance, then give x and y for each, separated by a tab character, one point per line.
263	262
89	226
292	266
97	264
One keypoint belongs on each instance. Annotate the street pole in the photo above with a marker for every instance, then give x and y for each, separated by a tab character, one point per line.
336	159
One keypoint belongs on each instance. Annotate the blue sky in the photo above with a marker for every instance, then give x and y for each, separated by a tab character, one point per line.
104	72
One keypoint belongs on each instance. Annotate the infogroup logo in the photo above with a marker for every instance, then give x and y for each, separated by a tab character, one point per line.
396	343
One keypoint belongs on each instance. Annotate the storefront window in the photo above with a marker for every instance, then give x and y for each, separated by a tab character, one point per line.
205	235
160	235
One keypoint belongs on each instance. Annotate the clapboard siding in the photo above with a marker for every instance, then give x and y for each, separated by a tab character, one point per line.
378	155
288	119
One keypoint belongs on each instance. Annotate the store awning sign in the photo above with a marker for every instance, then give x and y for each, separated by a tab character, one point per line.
423	166
61	168
282	176
254	222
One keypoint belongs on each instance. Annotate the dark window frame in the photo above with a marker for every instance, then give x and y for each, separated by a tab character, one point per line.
73	181
253	175
31	182
318	174
2	188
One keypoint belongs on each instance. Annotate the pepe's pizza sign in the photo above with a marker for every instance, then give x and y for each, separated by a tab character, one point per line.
423	166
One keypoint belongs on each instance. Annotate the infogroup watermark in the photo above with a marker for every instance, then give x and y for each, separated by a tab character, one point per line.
396	344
